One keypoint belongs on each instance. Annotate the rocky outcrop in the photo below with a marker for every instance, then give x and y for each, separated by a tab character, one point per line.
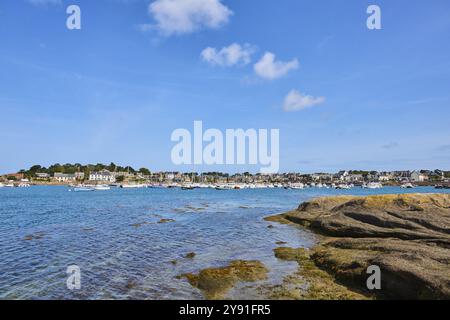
407	236
215	282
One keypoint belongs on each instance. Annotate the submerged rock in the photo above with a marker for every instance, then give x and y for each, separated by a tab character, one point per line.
166	220
139	224
190	255
215	282
34	236
407	236
310	282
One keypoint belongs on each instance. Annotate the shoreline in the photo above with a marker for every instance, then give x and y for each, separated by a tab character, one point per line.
408	236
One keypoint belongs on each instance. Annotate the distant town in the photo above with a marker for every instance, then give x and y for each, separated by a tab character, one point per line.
112	174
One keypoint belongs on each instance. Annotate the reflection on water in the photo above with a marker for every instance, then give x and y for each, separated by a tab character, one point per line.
126	242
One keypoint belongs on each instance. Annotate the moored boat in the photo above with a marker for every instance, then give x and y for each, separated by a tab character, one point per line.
343	186
133	186
407	186
441	186
101	187
23	185
372	185
82	189
224	187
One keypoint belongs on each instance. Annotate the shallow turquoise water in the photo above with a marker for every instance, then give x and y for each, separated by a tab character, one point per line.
95	231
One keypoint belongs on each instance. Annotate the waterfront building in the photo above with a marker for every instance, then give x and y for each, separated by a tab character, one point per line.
103	176
417	176
42	175
64	177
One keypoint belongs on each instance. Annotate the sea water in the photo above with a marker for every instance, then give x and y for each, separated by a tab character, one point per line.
124	253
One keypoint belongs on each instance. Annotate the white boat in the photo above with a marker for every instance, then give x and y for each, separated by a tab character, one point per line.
407	186
102	188
343	186
224	187
9	185
83	189
133	186
23	185
296	186
372	185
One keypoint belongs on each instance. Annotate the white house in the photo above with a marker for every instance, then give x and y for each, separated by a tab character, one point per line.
416	176
103	176
386	176
353	178
79	175
63	177
42	175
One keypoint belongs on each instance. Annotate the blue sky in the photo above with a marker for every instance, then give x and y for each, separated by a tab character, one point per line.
116	89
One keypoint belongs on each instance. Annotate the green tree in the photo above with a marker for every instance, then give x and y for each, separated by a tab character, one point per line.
145	171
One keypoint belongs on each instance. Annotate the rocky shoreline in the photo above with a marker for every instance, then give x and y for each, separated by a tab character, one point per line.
407	236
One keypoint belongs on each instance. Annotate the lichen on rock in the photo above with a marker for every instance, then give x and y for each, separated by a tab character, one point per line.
216	282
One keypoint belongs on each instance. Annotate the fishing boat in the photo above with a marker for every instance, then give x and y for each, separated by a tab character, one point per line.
407	186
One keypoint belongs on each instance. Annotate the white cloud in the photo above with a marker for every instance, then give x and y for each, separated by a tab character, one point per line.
44	2
186	16
270	69
229	56
296	101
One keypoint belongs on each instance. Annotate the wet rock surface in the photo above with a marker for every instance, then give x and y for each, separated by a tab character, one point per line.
35	236
216	282
407	236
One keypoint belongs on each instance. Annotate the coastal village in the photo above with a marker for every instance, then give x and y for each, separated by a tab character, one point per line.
127	177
